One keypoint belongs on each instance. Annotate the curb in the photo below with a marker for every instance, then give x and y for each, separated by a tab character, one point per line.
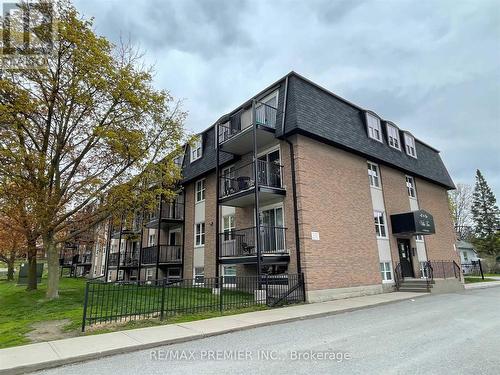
133	348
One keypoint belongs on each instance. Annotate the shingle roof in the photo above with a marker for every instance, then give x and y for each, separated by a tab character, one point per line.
316	112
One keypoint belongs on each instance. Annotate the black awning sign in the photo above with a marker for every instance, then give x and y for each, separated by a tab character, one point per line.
413	223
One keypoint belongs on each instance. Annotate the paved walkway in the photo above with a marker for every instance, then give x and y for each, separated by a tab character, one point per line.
486	284
55	353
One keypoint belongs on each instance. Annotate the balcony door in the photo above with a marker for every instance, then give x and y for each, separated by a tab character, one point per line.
269	170
272	232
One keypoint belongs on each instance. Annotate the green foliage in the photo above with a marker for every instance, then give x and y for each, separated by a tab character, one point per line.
85	137
486	217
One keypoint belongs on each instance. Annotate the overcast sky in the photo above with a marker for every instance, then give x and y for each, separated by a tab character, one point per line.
432	67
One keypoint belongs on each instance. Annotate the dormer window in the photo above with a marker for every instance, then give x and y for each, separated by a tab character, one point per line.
393	137
196	150
410	146
374	129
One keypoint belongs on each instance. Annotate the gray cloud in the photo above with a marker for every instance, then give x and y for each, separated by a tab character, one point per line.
431	67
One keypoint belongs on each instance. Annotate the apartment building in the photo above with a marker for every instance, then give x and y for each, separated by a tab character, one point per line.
297	180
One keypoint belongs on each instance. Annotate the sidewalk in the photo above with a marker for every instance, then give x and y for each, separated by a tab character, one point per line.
482	285
39	356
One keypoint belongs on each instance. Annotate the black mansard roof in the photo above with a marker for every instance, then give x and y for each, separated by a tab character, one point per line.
320	114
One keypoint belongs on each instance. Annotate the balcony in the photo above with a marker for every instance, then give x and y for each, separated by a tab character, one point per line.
171	212
168	254
129	260
239	245
113	259
238	186
236	135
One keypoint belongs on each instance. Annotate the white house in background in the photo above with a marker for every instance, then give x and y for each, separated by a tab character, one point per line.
467	252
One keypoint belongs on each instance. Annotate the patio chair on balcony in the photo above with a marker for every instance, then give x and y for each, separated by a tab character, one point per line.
244	182
247	249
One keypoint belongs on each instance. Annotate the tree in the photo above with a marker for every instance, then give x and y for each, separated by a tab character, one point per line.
11	248
460	206
486	216
86	134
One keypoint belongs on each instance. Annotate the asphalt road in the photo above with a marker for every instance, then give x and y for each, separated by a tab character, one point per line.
452	333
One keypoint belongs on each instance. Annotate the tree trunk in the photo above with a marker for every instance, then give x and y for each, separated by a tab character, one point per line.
32	281
52	265
10	269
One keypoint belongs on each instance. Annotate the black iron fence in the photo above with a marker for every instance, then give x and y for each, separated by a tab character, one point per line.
241	242
474	268
445	269
123	301
232	181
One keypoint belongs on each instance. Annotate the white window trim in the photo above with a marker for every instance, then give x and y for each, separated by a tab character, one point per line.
379	127
411	186
377	176
197	145
195	274
391	280
203	190
389	136
201	234
378	214
410	142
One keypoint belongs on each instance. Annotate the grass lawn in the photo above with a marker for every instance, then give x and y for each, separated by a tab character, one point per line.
19	309
469	280
492	275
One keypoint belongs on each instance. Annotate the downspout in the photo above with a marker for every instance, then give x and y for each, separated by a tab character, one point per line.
183	231
294	182
217	206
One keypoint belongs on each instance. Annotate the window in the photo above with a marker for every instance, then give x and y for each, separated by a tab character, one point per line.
466	258
373	175
419	238
410	146
410	186
149	274
228	227
393	137
151	239
196	150
380	224
199	234
110	275
385	271
424	269
120	275
173	273
200	190
199	275
229	274
374	130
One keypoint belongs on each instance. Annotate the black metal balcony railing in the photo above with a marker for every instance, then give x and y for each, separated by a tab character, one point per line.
68	260
168	254
265	115
241	242
241	179
129	260
113	259
169	211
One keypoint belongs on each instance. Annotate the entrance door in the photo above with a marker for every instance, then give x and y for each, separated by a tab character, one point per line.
269	171
405	257
272	232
